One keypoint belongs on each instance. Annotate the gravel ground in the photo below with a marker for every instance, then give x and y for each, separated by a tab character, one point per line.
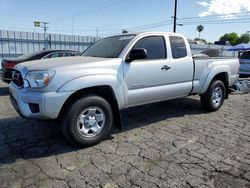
168	144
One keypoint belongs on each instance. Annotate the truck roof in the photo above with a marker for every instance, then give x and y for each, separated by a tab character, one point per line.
149	33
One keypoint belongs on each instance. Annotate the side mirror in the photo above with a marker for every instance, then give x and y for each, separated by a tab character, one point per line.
136	54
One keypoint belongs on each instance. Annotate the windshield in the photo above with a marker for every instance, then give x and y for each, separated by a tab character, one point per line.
110	47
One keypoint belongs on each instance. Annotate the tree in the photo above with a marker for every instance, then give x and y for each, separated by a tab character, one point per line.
199	39
200	28
234	39
244	38
124	31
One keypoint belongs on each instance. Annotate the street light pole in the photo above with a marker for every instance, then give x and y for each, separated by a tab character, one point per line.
175	16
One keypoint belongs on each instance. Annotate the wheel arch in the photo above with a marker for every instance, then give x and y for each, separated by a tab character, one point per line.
104	91
218	73
224	78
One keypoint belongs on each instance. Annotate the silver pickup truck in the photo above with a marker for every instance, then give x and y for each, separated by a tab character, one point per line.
87	93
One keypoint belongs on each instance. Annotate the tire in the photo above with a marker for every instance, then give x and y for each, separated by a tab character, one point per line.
88	121
214	97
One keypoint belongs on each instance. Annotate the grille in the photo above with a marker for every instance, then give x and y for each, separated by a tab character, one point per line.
17	78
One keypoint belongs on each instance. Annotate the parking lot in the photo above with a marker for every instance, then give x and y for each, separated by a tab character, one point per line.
168	144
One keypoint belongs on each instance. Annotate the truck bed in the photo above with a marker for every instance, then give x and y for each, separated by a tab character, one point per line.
204	65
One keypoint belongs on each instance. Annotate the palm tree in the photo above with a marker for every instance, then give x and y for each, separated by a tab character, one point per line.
200	28
124	31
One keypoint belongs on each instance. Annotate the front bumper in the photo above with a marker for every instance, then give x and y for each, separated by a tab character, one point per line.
49	103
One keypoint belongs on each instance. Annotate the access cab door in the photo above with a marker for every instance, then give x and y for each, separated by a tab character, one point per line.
166	73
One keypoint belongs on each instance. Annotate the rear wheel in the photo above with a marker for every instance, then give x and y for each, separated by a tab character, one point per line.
88	121
214	97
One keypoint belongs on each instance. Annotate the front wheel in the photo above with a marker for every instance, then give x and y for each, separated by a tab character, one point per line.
214	97
88	121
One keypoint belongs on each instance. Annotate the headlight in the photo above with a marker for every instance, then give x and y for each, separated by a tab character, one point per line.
38	79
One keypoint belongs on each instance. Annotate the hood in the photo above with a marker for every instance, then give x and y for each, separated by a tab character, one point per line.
57	63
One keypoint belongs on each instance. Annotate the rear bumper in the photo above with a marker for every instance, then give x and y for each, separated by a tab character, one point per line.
49	104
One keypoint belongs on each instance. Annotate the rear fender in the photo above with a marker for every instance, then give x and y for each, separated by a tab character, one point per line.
213	72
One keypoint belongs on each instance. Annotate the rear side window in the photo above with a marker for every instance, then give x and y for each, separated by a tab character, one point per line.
178	47
154	45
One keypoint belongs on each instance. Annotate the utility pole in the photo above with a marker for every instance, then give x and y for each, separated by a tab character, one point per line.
97	32
45	28
73	24
175	16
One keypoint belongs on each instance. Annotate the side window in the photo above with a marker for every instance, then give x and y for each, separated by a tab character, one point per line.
47	56
178	47
154	45
66	54
40	56
54	55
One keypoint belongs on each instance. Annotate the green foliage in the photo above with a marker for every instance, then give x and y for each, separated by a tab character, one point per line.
200	28
124	31
231	37
244	38
234	39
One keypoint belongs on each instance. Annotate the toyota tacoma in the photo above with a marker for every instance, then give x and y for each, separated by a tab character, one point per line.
87	93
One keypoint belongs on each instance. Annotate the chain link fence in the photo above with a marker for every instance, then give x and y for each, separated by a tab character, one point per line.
15	43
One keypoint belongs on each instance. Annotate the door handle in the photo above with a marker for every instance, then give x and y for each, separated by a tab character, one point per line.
165	67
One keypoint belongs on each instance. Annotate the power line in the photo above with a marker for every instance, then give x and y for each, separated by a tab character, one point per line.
166	23
213	18
243	17
82	11
216	23
140	29
149	25
208	21
91	10
216	16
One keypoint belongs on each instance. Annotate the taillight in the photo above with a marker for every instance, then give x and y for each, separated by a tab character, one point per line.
9	65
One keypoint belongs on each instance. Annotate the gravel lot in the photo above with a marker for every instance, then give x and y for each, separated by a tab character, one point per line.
168	144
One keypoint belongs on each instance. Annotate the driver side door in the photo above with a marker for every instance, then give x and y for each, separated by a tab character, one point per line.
145	78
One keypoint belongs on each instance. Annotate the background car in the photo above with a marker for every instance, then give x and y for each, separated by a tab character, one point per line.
9	64
245	63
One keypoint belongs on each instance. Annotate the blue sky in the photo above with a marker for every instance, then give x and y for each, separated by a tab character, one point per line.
82	17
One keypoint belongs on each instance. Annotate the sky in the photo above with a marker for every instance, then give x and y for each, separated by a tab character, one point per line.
83	17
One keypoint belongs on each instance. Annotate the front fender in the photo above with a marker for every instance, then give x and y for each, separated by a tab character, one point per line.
213	72
94	81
